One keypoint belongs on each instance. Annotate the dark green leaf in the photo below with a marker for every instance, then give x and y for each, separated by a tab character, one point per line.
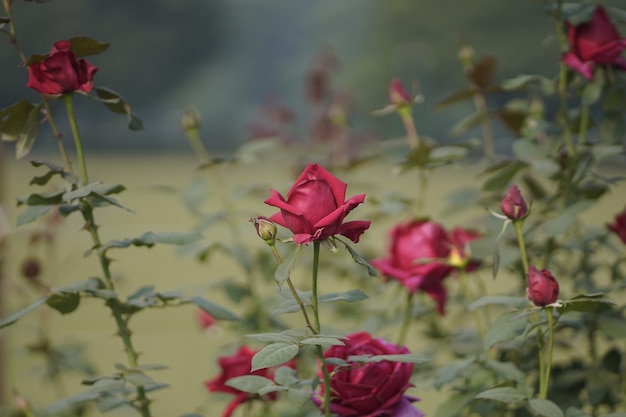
455	98
144	291
506	327
349	296
454	404
249	383
13	119
503	394
451	370
58	407
586	303
545	408
53	170
501	178
322	341
18	315
64	302
32	213
149	239
273	355
613	327
37	199
82	46
361	261
117	104
220	313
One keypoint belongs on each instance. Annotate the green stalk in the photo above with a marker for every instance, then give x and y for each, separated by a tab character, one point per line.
409	125
548	364
69	106
480	103
522	246
12	33
562	86
584	123
320	352
57	137
406	319
468	300
90	225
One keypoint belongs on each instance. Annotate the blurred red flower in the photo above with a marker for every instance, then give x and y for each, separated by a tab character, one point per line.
543	289
513	204
619	227
205	320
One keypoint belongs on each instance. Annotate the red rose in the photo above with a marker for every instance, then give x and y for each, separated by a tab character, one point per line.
374	389
60	72
205	320
543	289
415	259
238	364
316	206
513	205
460	251
398	94
619	227
596	42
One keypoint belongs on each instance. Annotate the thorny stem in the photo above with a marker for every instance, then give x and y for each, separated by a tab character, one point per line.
406	319
562	86
12	33
114	304
294	293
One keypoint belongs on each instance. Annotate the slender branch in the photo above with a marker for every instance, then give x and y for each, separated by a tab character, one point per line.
12	32
548	364
69	105
409	125
584	123
406	319
468	299
56	135
562	85
522	246
480	103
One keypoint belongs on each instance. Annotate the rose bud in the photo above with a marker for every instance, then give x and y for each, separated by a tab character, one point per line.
60	72
592	43
543	289
204	319
190	120
265	228
316	206
398	94
619	227
513	205
368	389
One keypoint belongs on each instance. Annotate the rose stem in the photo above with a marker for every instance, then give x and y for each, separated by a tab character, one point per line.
320	352
562	86
584	123
406	319
548	365
90	224
294	293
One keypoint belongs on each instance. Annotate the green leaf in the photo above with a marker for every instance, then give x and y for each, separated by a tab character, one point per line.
453	405
274	355
545	408
455	98
593	90
360	260
64	302
13	119
82	46
503	176
506	327
503	394
586	303
146	290
405	358
322	341
272	337
18	315
496	249
32	213
117	104
286	376
58	407
53	170
506	370
38	199
138	379
575	412
613	327
29	132
350	296
107	385
250	383
283	271
451	370
220	313
149	239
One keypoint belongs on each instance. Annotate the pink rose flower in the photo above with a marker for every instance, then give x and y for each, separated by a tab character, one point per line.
374	389
543	289
596	42
60	72
316	207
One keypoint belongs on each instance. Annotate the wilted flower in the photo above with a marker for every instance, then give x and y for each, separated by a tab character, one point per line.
543	289
513	205
316	207
60	72
373	389
619	227
596	42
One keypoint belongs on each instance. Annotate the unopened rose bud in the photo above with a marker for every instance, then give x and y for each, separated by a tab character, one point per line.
543	289
265	228
190	120
466	54
398	94
205	320
513	205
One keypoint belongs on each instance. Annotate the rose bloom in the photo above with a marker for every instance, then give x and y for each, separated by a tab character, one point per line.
422	253
316	207
238	364
374	389
513	204
619	227
60	72
596	42
543	289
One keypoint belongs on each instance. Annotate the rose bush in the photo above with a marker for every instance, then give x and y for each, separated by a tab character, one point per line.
61	72
543	289
418	257
596	42
237	364
316	207
373	389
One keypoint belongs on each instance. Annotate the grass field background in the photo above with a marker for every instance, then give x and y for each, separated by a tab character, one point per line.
171	336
